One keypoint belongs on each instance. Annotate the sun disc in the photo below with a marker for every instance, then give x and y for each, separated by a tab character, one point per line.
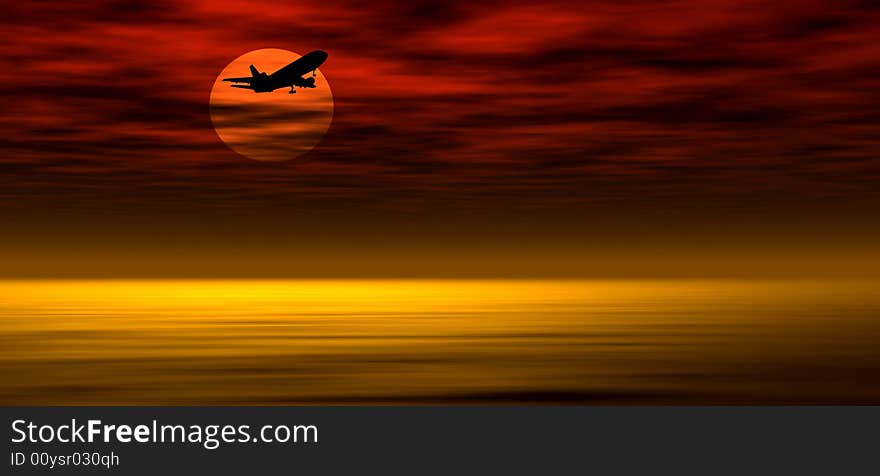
272	126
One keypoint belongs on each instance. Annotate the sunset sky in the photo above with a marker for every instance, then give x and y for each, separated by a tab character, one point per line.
468	138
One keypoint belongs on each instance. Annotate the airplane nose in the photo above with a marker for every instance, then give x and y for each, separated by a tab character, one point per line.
320	56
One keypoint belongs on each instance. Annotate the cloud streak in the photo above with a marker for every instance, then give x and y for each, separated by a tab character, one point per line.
553	103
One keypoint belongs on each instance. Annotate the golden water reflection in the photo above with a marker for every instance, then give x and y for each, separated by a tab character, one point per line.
439	341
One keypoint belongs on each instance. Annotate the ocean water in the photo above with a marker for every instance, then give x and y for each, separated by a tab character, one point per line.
268	342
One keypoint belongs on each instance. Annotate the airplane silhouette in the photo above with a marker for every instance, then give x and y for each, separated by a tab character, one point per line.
289	76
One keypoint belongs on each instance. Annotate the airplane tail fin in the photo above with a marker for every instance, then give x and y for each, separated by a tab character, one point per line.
254	71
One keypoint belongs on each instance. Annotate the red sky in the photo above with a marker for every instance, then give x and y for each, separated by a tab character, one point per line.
536	109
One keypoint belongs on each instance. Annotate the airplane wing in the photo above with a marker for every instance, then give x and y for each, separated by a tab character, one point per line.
247	79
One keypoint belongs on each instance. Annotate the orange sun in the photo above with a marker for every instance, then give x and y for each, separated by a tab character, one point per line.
272	126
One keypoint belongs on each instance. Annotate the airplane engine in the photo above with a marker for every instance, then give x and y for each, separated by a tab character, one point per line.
310	82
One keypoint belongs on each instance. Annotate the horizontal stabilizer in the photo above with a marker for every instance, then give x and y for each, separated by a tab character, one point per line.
243	86
239	80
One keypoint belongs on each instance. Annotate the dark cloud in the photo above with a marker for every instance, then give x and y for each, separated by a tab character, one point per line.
551	103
